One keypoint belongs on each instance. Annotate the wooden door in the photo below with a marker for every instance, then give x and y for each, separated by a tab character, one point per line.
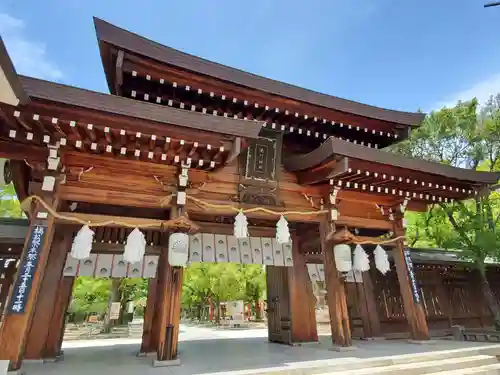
278	305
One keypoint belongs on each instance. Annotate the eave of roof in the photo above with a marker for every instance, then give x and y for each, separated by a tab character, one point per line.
9	71
132	42
118	105
334	146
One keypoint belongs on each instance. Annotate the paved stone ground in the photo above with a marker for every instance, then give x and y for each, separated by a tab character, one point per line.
205	350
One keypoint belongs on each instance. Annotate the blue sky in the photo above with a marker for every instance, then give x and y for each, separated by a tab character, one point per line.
401	54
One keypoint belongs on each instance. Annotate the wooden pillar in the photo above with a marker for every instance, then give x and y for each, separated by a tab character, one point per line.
53	344
302	304
169	311
412	301
371	304
149	340
23	295
45	303
169	302
335	291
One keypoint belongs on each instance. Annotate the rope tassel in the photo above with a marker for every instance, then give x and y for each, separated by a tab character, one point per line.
135	247
382	260
82	243
240	226
282	231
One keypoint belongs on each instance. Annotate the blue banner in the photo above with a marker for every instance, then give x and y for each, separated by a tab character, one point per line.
27	269
411	275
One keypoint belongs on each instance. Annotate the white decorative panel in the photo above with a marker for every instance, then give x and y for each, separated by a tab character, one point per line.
119	266
208	242
267	251
321	272
313	272
104	265
278	254
150	266
233	249
287	254
135	269
221	248
256	246
87	266
71	266
245	251
195	248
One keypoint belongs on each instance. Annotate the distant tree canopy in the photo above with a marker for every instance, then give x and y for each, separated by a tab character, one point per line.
464	136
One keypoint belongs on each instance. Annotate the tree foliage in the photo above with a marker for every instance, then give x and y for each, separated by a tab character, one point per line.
468	137
9	204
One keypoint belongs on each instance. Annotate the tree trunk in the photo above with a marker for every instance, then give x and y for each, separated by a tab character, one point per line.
258	312
490	299
115	284
217	312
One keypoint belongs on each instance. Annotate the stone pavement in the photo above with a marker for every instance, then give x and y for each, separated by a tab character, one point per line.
206	350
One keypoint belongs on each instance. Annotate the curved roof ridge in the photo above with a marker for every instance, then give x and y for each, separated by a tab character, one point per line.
133	42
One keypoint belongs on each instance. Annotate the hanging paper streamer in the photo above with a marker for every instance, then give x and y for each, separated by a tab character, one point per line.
361	262
343	261
135	247
382	260
82	243
282	231
240	226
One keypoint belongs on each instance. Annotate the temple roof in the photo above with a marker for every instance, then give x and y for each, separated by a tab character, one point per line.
351	166
336	147
113	35
55	92
11	91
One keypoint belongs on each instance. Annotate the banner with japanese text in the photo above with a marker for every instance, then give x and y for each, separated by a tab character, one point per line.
27	269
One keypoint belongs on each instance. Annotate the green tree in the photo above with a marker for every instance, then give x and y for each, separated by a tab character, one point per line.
9	204
254	278
464	137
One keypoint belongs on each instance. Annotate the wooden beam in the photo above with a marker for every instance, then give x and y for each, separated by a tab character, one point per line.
332	169
302	300
53	344
20	175
412	301
235	151
148	343
336	294
47	296
119	72
16	325
18	151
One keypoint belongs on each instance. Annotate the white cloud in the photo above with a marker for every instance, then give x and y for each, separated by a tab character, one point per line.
29	57
481	91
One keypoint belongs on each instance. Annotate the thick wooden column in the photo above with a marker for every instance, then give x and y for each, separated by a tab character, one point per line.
169	310
371	304
53	344
412	301
335	292
45	303
169	303
302	301
149	340
23	295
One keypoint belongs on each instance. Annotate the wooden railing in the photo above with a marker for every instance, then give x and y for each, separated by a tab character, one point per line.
461	333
